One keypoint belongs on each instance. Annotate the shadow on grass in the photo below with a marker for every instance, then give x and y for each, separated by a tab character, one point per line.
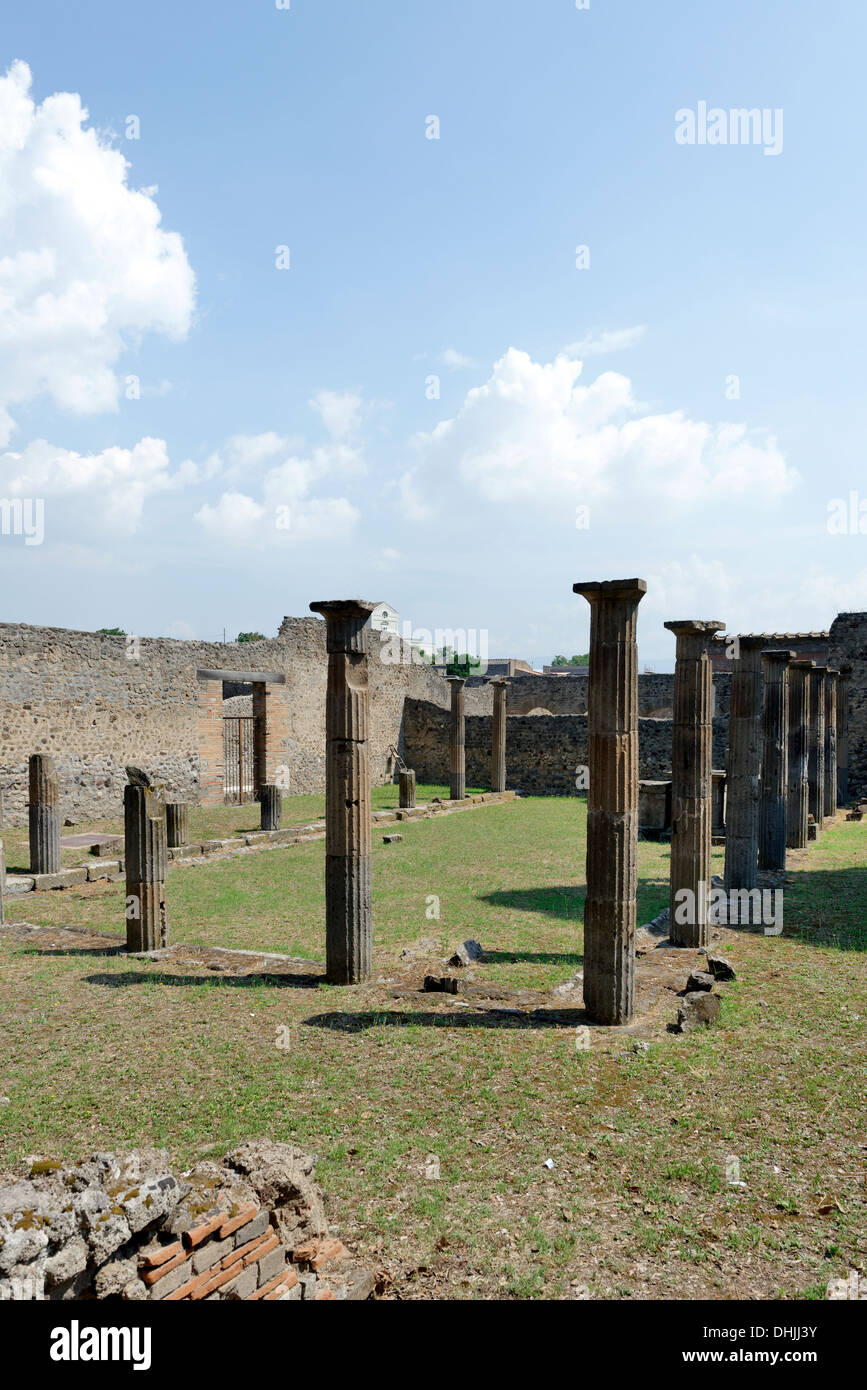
534	957
827	907
218	980
566	902
492	1018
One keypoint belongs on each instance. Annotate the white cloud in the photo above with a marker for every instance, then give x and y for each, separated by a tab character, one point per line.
455	360
340	411
533	435
287	512
597	345
86	268
93	490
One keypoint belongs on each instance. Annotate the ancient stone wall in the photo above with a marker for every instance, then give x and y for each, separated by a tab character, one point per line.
848	644
568	694
542	751
96	703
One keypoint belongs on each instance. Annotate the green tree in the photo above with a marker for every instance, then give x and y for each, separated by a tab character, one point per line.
111	632
572	660
251	637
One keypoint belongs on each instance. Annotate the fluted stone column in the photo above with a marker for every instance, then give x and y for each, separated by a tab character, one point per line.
843	735
691	784
798	811
816	766
831	678
457	735
406	794
44	815
348	922
612	803
773	814
498	735
718	799
177	824
743	764
270	806
144	820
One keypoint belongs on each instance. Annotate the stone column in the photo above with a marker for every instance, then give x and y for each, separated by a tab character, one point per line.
718	799
406	781
2	882
831	678
457	750
816	771
743	764
691	785
773	813
44	815
348	922
498	735
144	820
843	734
270	806
177	824
798	811
612	803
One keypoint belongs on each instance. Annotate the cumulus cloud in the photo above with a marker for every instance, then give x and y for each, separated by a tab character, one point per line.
93	491
286	510
598	344
340	411
86	268
533	434
455	360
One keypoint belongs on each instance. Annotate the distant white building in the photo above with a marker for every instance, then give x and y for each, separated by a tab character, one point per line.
384	618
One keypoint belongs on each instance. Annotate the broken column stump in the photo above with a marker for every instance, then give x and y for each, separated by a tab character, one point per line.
348	922
457	740
498	735
406	789
798	813
612	802
177	824
270	806
773	811
816	760
44	815
145	850
691	783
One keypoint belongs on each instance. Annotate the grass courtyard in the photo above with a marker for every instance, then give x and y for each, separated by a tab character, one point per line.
99	1051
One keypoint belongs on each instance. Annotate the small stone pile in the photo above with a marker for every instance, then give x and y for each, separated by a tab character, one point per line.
250	1227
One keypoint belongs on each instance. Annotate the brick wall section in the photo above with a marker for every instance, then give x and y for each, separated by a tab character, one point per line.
847	642
542	751
251	1227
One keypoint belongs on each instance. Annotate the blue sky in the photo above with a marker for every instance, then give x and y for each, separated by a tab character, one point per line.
412	257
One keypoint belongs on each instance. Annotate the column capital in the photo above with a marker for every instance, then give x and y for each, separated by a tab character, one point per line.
456	680
804	666
846	671
694	627
612	589
498	680
344	619
752	641
778	656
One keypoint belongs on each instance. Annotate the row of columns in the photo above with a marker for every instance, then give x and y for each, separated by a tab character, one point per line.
457	737
782	763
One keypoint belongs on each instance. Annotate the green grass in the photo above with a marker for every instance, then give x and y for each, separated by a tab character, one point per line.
99	1052
209	822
